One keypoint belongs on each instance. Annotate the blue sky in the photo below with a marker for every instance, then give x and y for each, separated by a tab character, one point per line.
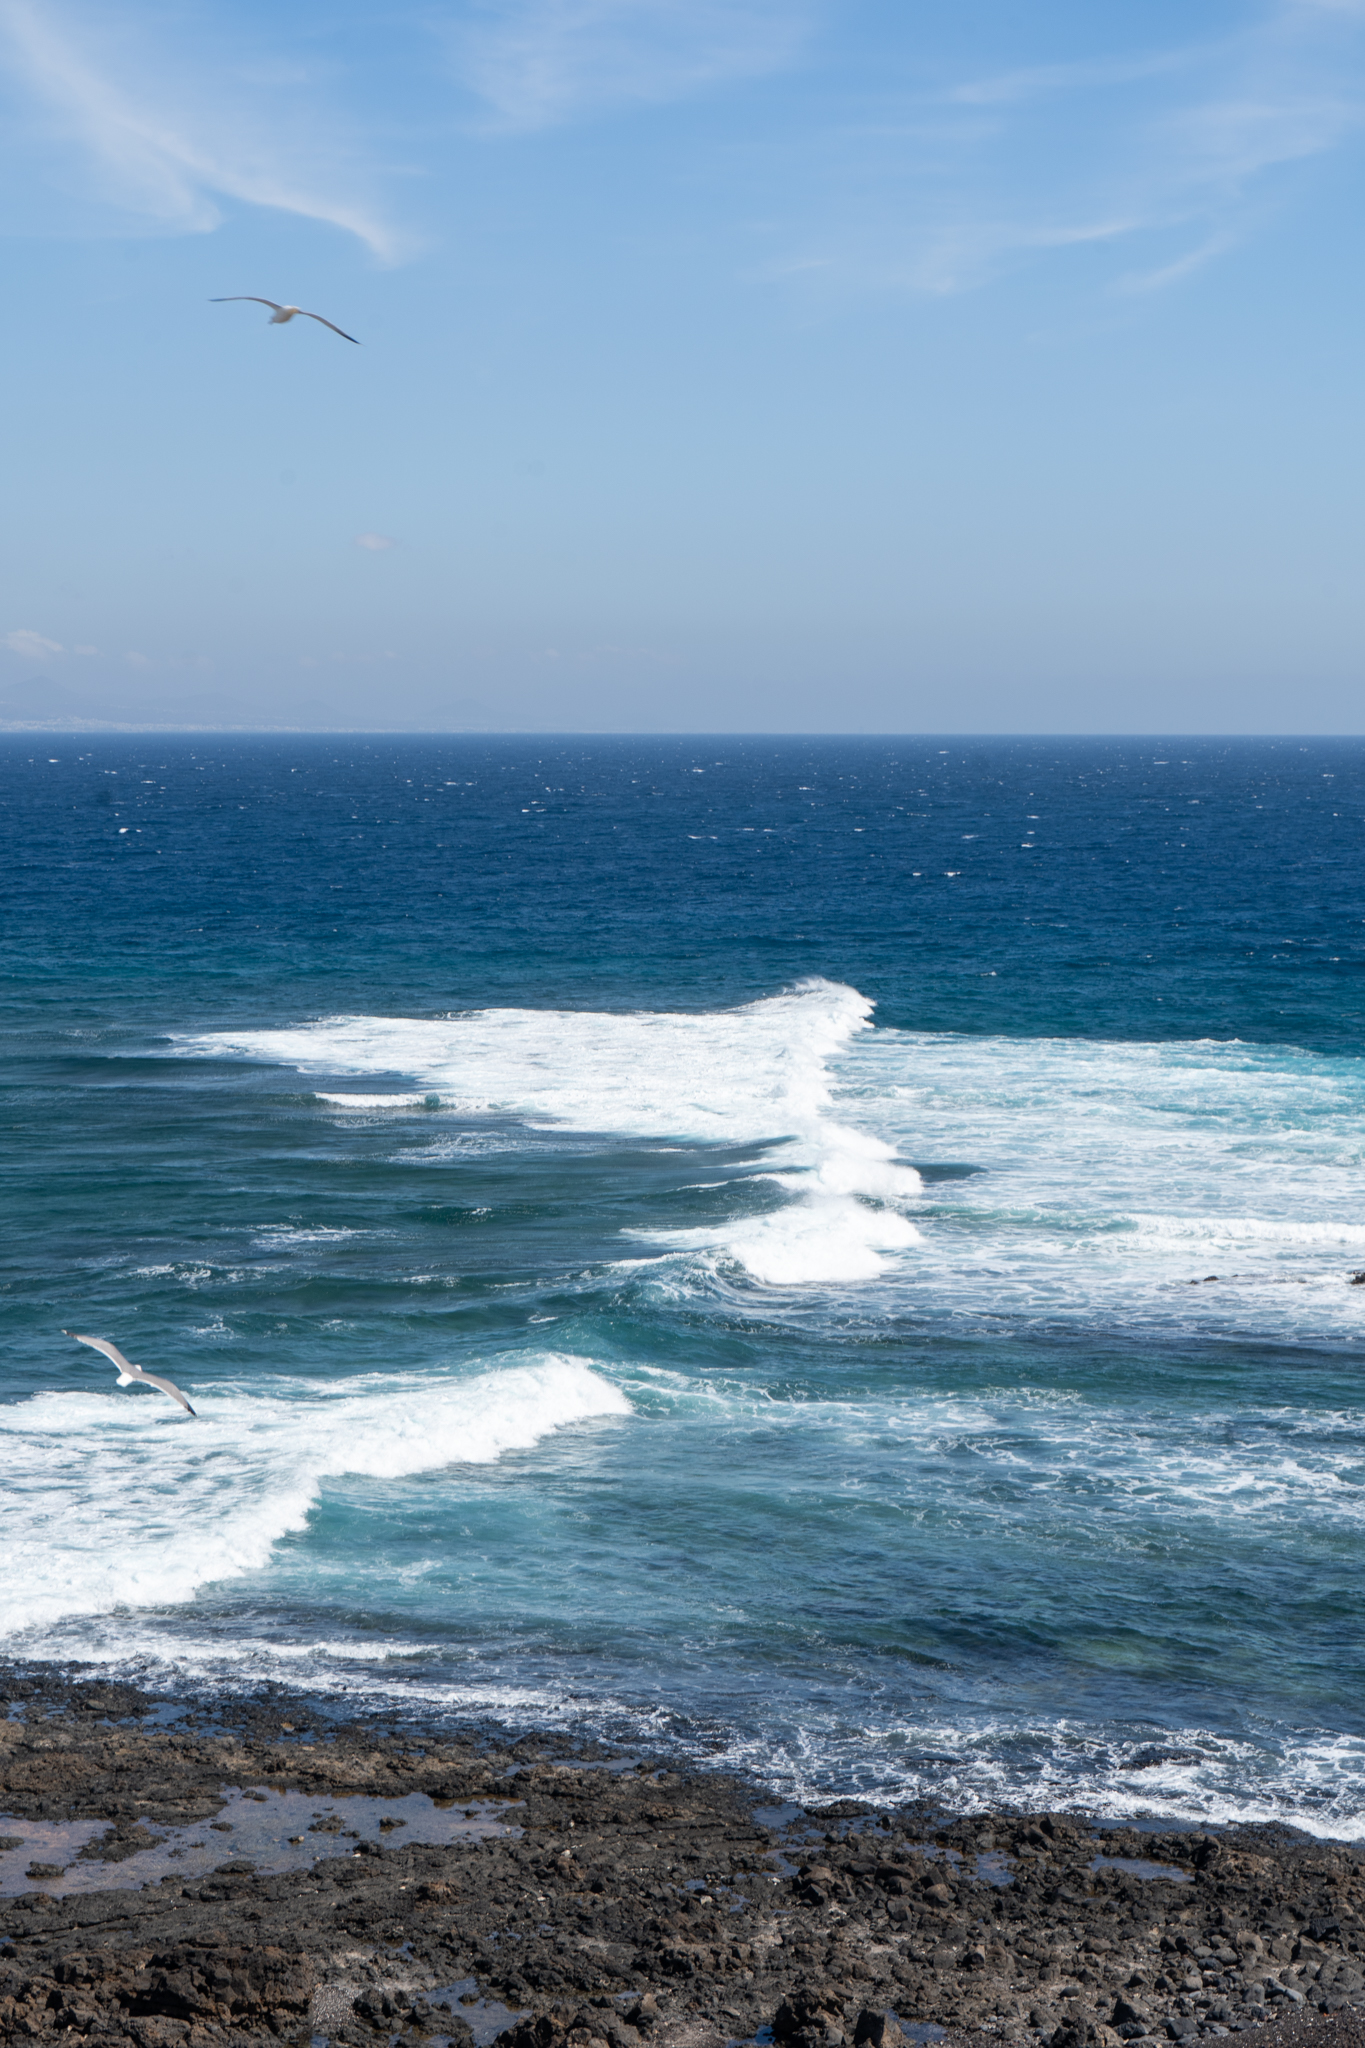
726	364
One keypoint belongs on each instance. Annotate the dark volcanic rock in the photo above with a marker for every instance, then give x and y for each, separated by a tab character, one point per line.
635	1908
876	2030
214	1994
810	2016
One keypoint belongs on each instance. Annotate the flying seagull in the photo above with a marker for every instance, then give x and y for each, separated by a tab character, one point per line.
279	314
129	1374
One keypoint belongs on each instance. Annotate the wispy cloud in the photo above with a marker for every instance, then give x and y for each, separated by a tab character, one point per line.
536	63
1221	146
374	543
166	142
1041	81
1290	89
1179	268
1166	157
34	646
884	169
960	255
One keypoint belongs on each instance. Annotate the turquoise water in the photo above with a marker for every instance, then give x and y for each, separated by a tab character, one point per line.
707	1243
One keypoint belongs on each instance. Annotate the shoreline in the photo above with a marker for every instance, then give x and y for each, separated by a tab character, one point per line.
253	1869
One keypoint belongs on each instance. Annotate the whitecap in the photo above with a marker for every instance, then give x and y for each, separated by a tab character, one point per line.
103	1510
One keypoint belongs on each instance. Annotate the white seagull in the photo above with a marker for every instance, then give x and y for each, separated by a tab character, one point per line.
129	1374
279	314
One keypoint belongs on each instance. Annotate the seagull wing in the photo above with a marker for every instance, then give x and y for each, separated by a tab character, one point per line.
250	299
166	1387
111	1351
327	323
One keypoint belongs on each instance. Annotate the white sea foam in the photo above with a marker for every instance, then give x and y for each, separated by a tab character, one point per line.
822	1238
1248	1232
1114	1475
362	1102
104	1509
731	1075
758	1074
977	1763
1104	1178
283	1237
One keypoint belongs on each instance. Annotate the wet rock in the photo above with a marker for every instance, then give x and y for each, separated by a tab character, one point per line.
876	2030
118	1843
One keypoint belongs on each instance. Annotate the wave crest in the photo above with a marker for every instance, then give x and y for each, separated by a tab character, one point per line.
103	1510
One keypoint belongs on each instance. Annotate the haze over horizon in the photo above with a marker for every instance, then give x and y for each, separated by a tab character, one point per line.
732	366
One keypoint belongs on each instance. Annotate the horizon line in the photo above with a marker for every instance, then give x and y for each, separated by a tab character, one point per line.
109	729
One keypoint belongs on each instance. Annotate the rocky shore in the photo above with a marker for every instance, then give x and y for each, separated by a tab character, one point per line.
601	1902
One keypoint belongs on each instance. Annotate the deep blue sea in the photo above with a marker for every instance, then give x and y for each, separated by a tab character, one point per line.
831	1257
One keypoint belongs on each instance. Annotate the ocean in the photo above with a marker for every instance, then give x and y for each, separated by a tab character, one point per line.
828	1258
